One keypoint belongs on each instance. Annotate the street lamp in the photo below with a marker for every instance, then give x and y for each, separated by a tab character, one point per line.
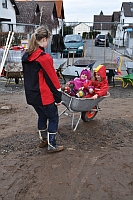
101	28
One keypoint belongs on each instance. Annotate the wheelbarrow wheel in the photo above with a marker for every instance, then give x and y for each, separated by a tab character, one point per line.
89	115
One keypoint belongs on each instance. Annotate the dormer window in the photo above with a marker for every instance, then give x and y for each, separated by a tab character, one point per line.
4	3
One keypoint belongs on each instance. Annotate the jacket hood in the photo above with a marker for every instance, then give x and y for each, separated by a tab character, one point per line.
101	70
33	56
25	57
86	72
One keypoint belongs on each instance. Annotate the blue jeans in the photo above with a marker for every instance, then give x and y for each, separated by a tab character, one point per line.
47	117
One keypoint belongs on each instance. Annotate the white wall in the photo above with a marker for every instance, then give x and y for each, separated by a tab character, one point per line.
8	13
125	21
79	29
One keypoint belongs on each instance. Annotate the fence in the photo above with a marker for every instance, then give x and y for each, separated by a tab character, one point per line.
85	29
116	32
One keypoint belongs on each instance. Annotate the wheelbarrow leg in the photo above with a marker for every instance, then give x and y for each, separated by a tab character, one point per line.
17	80
7	82
73	118
63	112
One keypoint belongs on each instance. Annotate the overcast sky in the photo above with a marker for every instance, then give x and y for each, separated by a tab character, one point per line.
84	10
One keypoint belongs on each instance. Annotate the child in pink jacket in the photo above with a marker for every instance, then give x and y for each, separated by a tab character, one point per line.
78	83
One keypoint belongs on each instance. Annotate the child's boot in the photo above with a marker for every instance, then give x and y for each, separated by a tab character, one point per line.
52	147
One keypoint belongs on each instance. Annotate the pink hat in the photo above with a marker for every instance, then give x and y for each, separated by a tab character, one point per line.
86	72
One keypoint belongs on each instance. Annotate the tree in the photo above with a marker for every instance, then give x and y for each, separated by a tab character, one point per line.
67	30
93	33
85	35
101	13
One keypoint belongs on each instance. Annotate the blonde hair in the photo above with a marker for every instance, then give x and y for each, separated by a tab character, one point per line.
40	32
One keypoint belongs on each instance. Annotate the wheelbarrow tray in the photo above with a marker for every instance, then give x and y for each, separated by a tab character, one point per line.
74	71
110	65
85	63
80	104
59	63
14	70
129	66
14	74
71	72
128	78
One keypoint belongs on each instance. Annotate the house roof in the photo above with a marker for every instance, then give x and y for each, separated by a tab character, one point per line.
15	6
48	9
48	6
27	12
60	9
98	19
128	9
116	16
58	3
37	12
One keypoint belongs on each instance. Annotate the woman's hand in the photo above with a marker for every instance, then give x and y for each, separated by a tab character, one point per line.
58	104
95	96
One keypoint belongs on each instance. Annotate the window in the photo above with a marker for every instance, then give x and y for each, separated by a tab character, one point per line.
10	27
4	3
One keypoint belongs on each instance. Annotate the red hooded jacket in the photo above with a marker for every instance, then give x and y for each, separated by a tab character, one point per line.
41	83
100	87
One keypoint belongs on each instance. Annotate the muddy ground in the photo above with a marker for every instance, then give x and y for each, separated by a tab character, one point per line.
97	163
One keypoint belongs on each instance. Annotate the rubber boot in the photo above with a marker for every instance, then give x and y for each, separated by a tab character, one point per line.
52	147
43	138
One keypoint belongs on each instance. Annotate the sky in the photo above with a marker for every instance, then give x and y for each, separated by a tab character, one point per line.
84	10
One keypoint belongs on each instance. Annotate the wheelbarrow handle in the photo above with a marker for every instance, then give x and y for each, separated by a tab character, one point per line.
77	73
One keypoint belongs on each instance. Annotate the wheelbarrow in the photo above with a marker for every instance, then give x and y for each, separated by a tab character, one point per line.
74	71
84	63
87	107
126	80
58	65
111	69
13	70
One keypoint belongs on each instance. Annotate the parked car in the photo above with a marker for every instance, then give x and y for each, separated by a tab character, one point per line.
100	40
73	44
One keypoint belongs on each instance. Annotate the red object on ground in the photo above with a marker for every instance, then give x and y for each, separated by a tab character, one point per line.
3	72
17	48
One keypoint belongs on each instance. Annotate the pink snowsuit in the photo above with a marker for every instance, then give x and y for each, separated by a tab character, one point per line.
78	82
